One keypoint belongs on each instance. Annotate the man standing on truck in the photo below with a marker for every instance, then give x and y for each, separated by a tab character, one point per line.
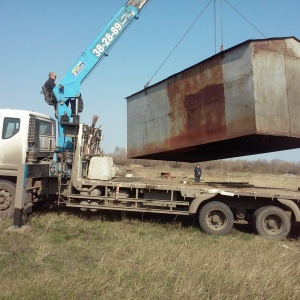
198	173
50	83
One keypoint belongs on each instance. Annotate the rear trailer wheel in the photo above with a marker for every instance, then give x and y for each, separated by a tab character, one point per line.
216	218
7	198
272	222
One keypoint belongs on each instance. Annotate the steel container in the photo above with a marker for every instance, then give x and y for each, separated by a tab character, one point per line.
241	101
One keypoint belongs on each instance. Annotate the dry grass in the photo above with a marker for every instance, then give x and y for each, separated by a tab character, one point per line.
123	256
75	257
267	180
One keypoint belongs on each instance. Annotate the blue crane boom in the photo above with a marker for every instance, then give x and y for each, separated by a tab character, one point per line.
68	101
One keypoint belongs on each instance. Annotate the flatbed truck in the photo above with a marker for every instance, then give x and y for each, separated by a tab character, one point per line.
71	171
87	180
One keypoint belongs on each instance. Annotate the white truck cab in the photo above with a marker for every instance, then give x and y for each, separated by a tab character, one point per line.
25	136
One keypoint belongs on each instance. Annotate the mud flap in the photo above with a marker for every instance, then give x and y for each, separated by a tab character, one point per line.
20	195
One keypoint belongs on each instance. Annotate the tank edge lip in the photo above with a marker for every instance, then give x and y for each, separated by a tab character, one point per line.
249	41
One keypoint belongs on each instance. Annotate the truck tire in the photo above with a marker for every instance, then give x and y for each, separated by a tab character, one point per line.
216	218
257	212
7	198
272	222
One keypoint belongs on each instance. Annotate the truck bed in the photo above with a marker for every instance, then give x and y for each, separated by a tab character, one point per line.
217	187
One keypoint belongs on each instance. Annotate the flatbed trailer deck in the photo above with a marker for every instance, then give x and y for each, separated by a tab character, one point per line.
217	205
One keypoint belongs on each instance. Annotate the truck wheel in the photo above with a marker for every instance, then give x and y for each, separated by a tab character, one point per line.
216	218
272	222
7	198
257	212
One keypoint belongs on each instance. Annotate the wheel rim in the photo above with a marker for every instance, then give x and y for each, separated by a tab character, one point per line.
6	200
216	219
273	224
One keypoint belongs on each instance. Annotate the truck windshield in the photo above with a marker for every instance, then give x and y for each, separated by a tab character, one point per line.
11	127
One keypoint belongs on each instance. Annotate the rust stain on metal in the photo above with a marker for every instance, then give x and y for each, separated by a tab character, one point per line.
243	101
196	97
278	46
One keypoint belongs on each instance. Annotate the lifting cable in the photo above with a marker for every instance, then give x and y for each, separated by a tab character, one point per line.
215	38
222	43
147	84
215	25
221	25
245	18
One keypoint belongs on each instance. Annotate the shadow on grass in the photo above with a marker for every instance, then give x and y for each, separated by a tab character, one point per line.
112	216
132	217
164	219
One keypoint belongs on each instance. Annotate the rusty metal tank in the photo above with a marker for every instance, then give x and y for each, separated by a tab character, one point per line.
242	101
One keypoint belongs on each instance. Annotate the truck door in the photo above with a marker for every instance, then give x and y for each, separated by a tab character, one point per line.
12	144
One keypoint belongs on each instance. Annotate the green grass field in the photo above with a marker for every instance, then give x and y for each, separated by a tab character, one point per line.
70	256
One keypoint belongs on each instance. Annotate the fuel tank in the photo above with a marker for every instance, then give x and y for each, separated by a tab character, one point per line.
242	101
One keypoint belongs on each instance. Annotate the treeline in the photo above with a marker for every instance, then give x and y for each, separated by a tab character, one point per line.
275	166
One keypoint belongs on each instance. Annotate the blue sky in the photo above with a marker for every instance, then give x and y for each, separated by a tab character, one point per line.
38	36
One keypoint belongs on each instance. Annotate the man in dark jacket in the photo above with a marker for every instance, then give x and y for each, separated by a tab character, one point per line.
198	172
50	83
49	86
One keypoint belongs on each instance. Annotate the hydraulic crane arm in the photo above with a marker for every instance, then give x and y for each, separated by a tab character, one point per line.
68	90
69	87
